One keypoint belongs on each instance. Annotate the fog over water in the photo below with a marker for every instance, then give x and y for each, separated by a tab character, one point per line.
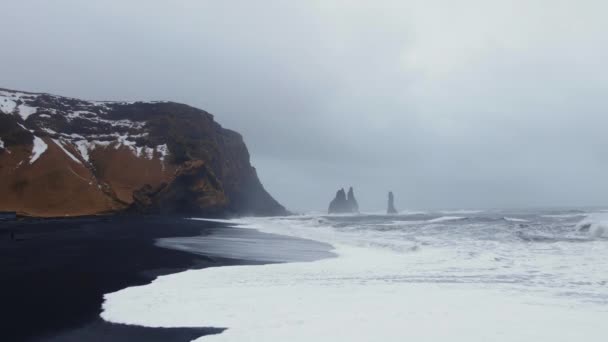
448	104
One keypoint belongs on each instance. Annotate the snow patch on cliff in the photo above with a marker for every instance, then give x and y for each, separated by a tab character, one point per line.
7	105
84	147
94	117
60	144
39	148
48	130
25	111
163	150
144	151
25	128
123	140
11	101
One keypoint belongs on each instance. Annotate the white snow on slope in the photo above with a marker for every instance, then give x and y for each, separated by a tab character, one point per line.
1	143
17	95
163	150
48	130
124	131
25	128
60	144
144	151
25	111
149	152
123	140
7	105
73	136
93	117
83	148
39	148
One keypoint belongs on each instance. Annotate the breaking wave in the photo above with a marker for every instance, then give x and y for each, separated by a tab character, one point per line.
513	219
596	225
446	218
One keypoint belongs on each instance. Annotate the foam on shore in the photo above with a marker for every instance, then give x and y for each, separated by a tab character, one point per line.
368	293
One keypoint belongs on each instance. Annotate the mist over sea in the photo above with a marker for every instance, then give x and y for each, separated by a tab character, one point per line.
463	275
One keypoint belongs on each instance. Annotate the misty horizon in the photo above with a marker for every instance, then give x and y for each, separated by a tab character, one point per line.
466	106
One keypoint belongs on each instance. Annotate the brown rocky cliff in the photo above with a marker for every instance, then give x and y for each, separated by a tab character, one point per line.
61	156
193	186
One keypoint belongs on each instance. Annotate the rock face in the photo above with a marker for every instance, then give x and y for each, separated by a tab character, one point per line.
343	204
63	157
391	204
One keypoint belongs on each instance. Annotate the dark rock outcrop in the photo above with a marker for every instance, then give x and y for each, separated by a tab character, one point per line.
352	201
338	204
193	186
391	204
343	204
61	156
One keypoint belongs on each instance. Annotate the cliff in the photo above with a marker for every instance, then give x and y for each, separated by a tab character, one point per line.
61	156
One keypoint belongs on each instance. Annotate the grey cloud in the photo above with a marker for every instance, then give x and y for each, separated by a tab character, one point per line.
449	104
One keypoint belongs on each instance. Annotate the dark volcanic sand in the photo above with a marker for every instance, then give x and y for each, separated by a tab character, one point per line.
56	271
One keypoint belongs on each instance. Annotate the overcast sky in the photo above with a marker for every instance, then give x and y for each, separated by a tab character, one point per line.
450	104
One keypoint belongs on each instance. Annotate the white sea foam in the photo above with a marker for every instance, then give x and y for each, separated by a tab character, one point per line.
446	218
514	219
461	212
244	244
420	283
412	212
595	225
564	216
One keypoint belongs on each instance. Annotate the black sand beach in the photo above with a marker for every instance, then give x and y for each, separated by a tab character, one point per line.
56	271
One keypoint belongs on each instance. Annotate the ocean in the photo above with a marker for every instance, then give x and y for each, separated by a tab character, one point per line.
457	275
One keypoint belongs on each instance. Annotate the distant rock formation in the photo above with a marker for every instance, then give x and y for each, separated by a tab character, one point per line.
391	204
352	201
338	204
343	204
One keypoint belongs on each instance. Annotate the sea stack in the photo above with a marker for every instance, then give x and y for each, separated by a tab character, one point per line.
391	204
352	201
343	204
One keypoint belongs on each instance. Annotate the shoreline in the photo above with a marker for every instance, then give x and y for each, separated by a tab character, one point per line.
57	270
444	279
